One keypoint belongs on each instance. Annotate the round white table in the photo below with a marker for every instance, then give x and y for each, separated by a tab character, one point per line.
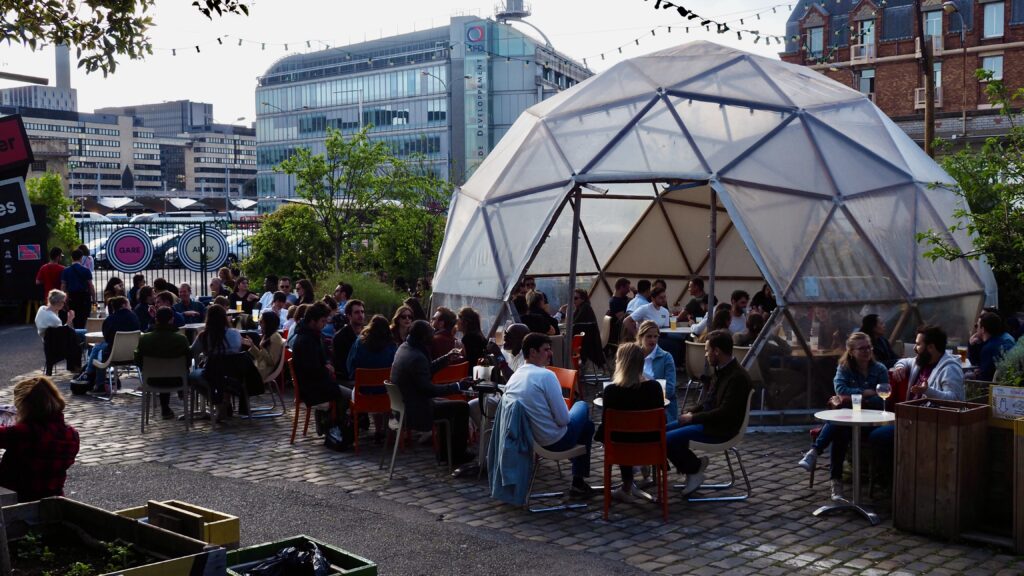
854	419
93	337
680	330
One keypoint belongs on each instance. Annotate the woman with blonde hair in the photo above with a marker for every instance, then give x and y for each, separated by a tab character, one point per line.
39	448
659	365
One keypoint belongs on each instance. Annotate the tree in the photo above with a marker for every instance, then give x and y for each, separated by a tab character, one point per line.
991	182
360	192
47	190
290	242
98	29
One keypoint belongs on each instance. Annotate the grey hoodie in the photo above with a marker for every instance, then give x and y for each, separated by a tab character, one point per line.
946	382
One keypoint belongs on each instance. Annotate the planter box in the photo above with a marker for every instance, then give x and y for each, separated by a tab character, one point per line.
193	521
940	457
180	555
342	562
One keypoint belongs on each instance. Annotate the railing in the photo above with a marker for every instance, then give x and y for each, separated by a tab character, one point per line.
862	53
936	41
919	98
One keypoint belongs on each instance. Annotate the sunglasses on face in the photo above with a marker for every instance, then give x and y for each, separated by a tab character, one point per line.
405	317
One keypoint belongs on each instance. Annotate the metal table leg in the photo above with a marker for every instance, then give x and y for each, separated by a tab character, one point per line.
855	504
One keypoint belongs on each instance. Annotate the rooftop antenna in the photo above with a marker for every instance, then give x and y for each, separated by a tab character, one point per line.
517	10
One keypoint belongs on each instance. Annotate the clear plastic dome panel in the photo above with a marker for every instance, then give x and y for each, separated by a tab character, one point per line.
537	164
939	277
486	176
739	79
883	218
581	138
846	160
859	121
788	160
723	132
625	84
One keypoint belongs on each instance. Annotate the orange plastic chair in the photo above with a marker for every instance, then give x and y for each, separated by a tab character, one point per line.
299	404
449	374
653	454
577	347
567	380
363	403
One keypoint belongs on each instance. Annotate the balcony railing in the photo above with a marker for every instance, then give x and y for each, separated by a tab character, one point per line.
861	53
936	41
919	99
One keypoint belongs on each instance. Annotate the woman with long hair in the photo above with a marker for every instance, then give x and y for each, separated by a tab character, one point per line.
755	323
39	448
374	348
114	287
266	353
474	343
215	340
659	365
417	309
537	316
293	329
874	327
720	320
630	389
858	373
304	292
401	322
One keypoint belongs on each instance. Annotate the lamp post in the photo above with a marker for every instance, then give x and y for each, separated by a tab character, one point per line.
950	7
227	170
448	115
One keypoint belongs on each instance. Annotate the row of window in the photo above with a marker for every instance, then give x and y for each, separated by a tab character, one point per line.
148	178
75	129
93	176
143	156
95	165
211	140
138	134
146	145
213	160
211	170
99	154
384	118
350	91
994	64
94	142
146	166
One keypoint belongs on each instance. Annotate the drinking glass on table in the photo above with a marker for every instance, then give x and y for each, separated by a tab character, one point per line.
855	401
884	390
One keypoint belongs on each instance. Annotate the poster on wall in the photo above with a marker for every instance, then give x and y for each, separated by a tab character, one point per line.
129	250
190	249
478	116
15	213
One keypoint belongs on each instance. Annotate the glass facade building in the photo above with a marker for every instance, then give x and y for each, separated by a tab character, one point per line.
447	94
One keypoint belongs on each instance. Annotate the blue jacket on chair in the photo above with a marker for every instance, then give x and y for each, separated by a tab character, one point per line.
510	454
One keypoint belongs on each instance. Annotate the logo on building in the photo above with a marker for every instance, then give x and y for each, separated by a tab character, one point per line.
190	249
475	34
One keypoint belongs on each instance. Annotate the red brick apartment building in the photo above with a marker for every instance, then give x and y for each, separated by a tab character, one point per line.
873	46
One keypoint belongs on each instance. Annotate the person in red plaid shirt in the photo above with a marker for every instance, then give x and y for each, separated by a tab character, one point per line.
40	447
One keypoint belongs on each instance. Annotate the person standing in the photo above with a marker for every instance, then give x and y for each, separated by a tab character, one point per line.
87	260
49	274
76	282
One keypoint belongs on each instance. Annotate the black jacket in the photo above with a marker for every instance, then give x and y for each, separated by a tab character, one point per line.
310	362
648	396
411	372
725	416
124	320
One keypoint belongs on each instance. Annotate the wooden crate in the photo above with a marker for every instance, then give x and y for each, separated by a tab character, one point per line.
193	521
343	563
940	456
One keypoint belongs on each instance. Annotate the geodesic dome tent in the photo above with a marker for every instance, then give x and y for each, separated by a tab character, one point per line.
814	191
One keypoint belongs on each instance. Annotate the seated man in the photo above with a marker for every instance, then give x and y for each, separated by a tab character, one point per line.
720	418
166	299
164	341
656	311
313	367
279	306
996	341
443	340
192	310
121	319
554	426
145	310
411	372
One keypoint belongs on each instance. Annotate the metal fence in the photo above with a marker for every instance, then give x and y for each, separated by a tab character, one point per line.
165	234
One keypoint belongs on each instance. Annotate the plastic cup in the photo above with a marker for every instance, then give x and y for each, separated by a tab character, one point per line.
856	400
672	323
238	306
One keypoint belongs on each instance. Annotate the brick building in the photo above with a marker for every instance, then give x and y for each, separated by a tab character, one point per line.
874	48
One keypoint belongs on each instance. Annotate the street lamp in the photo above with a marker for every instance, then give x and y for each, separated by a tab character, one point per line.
448	115
950	7
227	170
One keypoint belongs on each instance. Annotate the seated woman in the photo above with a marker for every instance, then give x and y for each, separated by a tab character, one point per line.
874	327
266	353
630	389
720	320
401	322
417	309
243	295
374	348
297	318
585	320
764	301
39	448
537	316
216	339
474	343
659	365
115	287
857	373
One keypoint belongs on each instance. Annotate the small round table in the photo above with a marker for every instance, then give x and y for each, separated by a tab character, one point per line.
854	419
93	337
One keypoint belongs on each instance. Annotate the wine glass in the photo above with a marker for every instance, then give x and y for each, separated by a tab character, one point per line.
884	391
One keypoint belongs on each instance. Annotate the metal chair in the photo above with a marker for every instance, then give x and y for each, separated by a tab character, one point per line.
398	407
164	376
122	357
726	447
696	370
541	452
653	453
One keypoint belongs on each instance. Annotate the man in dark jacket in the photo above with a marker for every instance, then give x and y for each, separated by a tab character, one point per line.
164	341
411	372
718	420
121	319
145	310
313	368
355	319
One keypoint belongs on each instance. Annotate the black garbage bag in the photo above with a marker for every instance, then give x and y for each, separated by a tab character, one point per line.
304	559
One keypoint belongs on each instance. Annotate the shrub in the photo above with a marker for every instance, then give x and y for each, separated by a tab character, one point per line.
1010	368
378	297
289	243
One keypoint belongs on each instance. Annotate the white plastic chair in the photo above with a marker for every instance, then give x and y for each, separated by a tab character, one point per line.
541	452
398	406
158	375
122	357
726	447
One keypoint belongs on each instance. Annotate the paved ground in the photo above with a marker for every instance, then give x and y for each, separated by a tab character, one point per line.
424	522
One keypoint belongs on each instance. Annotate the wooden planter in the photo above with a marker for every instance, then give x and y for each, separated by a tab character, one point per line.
179	554
342	563
940	456
190	520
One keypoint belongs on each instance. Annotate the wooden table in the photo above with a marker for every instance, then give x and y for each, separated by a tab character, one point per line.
854	419
93	337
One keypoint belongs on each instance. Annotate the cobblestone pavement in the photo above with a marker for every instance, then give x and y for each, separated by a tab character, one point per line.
771	533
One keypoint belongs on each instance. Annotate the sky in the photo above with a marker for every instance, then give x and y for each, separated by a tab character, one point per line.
226	74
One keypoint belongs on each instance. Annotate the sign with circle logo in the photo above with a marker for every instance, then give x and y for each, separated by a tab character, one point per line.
475	34
190	249
129	250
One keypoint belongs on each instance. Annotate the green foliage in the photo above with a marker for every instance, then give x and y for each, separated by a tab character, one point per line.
373	207
289	243
80	569
99	30
48	191
378	297
119	556
1010	368
991	182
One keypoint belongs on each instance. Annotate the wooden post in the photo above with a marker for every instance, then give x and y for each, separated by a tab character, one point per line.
577	197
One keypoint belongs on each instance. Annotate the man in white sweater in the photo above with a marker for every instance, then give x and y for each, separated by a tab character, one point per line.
554	426
933	373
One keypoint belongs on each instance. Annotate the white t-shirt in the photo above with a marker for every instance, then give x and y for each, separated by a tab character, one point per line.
46	318
660	316
738	324
266	300
635	303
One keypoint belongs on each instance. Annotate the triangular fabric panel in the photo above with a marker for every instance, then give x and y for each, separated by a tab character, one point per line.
487	175
842	267
781	225
554	255
946	202
666	69
939	277
884	219
859	122
847	162
462	210
805	87
649	250
788	160
517	225
732	257
581	138
626	83
922	166
693	226
656	145
608	222
538	164
470	266
741	80
724	132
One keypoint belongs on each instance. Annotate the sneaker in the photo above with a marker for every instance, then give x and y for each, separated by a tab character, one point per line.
837	490
809	460
82	378
703	465
621	494
693	482
580	489
646	481
167	414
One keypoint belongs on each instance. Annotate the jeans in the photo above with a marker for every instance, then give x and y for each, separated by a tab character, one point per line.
824	438
456	413
579	431
679	453
96	353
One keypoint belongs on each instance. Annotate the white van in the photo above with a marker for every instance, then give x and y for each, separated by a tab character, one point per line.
89	217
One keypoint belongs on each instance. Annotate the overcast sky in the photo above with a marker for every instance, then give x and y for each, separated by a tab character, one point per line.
225	75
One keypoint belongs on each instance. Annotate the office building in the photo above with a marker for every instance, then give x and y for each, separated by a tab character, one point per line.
59	97
448	93
167	118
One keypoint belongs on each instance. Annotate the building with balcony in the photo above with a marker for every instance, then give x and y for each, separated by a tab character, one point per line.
449	93
875	48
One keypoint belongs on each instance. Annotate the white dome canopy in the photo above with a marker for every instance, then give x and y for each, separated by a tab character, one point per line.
817	192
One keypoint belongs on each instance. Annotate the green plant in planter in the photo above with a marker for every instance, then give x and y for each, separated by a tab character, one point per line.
1010	368
80	569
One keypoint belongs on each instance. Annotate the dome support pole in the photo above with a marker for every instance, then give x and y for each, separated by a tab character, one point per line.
577	198
712	251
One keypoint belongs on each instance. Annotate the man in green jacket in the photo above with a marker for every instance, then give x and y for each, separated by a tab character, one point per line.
164	341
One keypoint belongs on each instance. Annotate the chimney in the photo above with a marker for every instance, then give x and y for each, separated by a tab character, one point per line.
63	66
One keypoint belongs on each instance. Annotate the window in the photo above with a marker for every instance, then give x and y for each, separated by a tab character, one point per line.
866	82
867	32
815	41
937	72
993	20
933	23
993	64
